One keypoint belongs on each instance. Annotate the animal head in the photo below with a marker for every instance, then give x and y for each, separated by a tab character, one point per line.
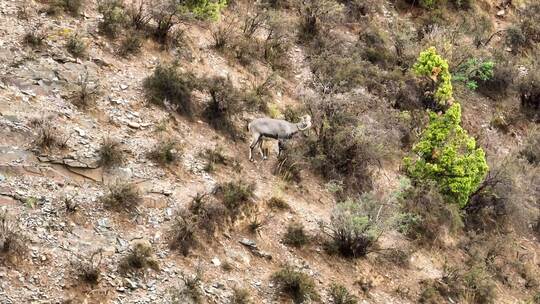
305	122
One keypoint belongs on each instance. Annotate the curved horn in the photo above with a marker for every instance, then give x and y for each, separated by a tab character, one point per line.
306	123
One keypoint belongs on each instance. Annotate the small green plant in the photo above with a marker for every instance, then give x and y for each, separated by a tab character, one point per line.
171	89
295	235
121	196
473	71
111	153
299	286
340	295
204	9
435	68
166	152
114	17
447	155
276	203
139	258
76	46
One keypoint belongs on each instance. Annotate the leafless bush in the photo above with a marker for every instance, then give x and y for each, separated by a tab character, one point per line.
139	258
316	16
88	269
111	153
13	242
122	196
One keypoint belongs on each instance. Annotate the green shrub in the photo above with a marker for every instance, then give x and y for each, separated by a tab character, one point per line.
447	155
435	68
340	295
167	87
111	153
295	235
114	17
204	9
76	46
473	71
299	286
353	230
121	196
166	152
515	38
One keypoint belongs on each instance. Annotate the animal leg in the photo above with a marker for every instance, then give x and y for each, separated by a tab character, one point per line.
254	142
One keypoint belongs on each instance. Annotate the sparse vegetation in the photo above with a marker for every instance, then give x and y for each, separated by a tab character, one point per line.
340	295
295	235
277	203
166	152
182	235
236	195
130	45
13	242
171	89
240	296
529	93
111	153
76	46
114	17
214	157
139	258
85	93
531	149
35	37
72	7
297	285
224	105
88	269
49	137
121	196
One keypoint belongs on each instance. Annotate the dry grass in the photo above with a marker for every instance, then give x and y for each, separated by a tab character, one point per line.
297	285
121	196
139	258
13	242
166	152
111	153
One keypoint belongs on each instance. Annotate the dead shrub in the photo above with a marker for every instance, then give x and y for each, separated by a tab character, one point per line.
295	235
316	16
214	157
13	242
88	269
114	17
35	37
111	153
500	83
224	105
121	196
210	215
427	215
76	46
165	152
130	45
72	7
223	34
165	15
236	196
277	43
167	87
340	295
290	163
85	93
276	203
49	137
297	285
138	14
191	291
240	296
139	258
531	149
529	92
356	10
182	235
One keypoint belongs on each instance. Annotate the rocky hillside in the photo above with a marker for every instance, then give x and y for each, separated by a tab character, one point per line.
124	170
